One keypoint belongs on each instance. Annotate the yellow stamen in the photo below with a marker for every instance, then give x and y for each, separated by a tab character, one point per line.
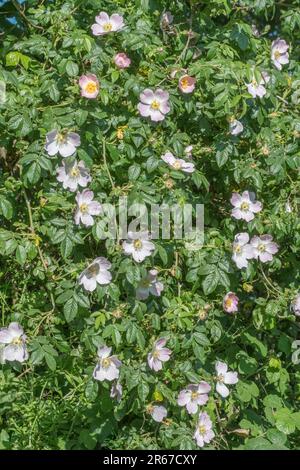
17	341
137	244
277	55
91	87
83	208
245	206
106	362
177	165
75	172
184	82
202	429
155	105
107	27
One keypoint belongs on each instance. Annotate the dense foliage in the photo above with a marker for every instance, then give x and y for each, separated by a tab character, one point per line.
51	400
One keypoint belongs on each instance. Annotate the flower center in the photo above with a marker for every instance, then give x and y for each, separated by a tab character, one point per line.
220	378
155	105
17	341
137	244
184	82
93	270
91	87
228	303
277	55
194	395
238	249
254	82
177	165
155	354
83	208
60	138
106	362
261	247
75	172
245	206
107	27
202	430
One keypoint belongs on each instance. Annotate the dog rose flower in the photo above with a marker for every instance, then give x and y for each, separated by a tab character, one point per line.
204	433
107	367
242	250
245	206
15	343
96	273
89	85
116	391
279	53
86	208
158	355
64	143
178	163
193	396
154	104
296	305
230	303
107	24
122	61
187	84
72	174
158	413
257	88
224	377
264	248
149	285
138	246
235	127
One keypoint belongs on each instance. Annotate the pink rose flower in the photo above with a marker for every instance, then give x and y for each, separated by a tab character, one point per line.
204	433
178	163
154	104
230	303
158	355
122	61
245	206
279	53
187	84
264	247
107	24
89	85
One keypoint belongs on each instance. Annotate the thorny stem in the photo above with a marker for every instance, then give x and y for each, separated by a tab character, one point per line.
32	229
105	164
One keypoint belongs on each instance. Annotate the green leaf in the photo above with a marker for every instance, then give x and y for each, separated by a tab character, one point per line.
70	309
21	255
6	208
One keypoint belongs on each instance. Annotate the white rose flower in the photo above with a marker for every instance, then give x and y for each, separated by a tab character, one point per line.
138	246
73	174
86	208
96	273
64	143
107	367
15	343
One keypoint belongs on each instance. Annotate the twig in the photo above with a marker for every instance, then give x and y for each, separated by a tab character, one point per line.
105	164
32	229
22	14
